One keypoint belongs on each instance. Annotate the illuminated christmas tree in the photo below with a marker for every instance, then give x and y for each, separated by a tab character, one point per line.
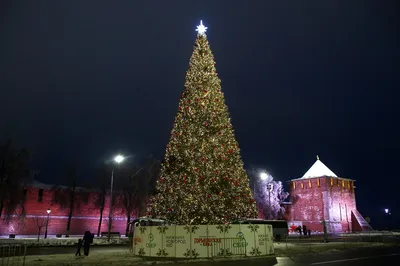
202	179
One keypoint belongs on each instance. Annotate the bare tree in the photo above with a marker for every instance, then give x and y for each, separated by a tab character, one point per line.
101	179
135	184
14	172
269	195
67	197
40	222
128	194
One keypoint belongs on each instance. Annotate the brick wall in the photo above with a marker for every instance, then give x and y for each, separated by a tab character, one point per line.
85	217
324	198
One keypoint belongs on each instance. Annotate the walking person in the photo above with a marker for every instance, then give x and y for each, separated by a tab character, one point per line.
87	240
78	247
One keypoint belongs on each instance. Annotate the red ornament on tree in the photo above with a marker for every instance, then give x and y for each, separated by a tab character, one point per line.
217	172
209	196
195	169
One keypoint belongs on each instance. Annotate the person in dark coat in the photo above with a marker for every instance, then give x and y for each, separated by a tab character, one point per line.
87	240
78	247
298	228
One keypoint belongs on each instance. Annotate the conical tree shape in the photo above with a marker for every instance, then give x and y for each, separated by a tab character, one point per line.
202	179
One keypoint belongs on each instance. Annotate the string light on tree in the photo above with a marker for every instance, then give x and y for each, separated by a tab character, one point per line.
202	179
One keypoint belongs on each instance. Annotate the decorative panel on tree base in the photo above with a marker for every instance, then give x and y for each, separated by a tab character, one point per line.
203	241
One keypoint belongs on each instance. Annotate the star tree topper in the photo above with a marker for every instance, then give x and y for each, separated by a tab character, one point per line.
201	29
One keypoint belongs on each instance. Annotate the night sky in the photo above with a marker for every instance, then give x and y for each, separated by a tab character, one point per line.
83	80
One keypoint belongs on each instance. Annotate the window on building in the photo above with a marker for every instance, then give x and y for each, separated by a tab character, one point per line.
319	182
331	181
342	183
302	185
294	185
348	184
309	183
338	183
40	195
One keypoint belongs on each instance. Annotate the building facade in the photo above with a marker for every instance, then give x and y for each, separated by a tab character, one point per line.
39	198
321	197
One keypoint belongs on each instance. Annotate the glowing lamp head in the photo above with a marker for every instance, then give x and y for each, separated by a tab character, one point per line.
118	159
264	176
386	210
48	211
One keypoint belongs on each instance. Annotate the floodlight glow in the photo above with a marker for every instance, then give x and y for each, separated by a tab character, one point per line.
264	176
119	158
48	211
201	29
386	210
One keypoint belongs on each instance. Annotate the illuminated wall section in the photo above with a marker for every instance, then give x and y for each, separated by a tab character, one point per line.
39	198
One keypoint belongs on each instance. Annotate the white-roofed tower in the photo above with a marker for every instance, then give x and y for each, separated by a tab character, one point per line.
321	195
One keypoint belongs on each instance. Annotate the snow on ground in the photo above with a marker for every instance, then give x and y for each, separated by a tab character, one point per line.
123	257
288	249
95	258
70	241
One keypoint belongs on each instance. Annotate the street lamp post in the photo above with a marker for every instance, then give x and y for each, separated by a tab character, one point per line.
118	159
47	222
269	187
263	177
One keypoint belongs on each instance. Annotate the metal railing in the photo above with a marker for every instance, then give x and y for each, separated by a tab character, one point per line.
12	255
228	247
